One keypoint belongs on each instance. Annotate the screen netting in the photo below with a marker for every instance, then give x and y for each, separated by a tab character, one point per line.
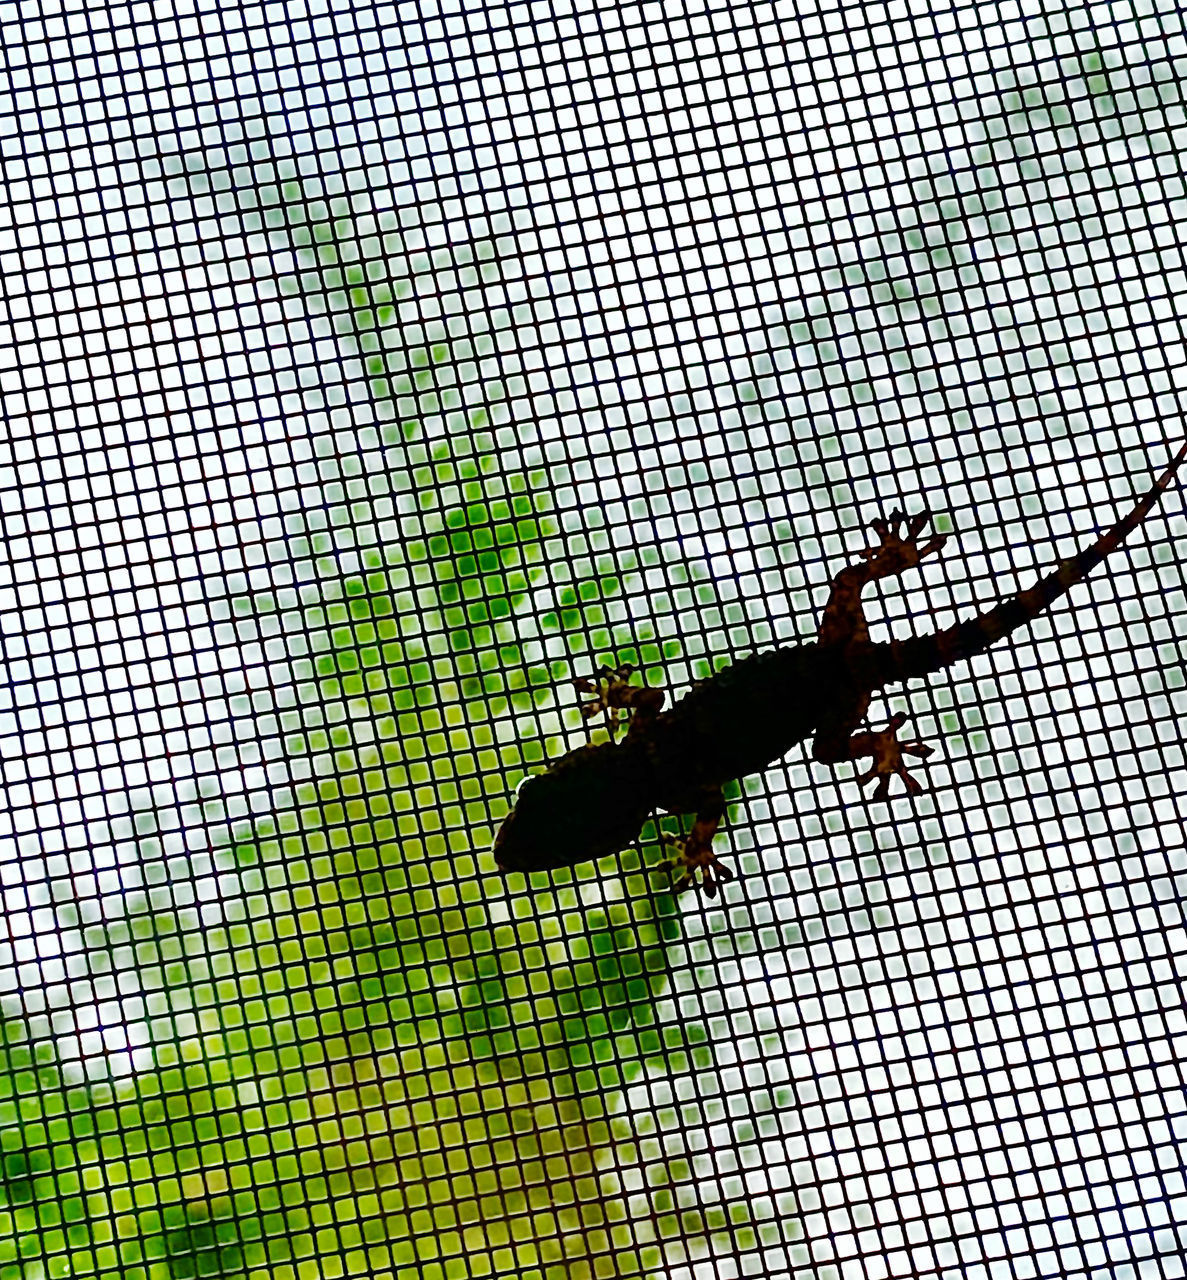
371	372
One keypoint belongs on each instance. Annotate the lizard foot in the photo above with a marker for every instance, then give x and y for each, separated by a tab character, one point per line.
693	857
614	692
897	552
610	693
888	754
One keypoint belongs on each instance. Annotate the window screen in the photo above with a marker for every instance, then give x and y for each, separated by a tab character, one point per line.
371	372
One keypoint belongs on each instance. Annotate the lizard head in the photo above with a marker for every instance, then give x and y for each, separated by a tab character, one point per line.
589	803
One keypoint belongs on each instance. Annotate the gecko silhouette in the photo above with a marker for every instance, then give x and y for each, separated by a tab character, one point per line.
595	800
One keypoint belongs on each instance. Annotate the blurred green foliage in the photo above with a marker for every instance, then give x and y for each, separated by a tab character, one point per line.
361	1053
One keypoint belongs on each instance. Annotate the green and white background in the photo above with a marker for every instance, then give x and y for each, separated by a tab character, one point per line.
369	372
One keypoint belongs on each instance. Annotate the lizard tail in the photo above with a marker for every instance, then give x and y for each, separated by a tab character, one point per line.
920	655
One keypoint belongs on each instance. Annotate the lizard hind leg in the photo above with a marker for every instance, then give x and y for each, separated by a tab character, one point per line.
897	551
844	622
887	752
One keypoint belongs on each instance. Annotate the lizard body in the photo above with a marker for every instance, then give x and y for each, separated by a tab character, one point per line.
594	800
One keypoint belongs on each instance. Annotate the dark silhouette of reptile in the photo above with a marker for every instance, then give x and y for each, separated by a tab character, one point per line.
594	800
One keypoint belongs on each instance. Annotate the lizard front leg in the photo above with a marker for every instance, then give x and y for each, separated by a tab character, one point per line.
696	852
613	692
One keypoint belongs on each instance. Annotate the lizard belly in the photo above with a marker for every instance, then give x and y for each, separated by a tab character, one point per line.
740	722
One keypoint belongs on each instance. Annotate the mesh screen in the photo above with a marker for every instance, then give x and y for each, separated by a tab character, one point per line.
372	372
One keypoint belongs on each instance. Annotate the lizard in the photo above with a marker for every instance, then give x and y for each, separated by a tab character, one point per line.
594	800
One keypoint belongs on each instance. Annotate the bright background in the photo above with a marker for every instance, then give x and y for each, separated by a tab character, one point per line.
370	372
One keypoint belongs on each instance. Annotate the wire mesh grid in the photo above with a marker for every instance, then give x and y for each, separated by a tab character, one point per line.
372	372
